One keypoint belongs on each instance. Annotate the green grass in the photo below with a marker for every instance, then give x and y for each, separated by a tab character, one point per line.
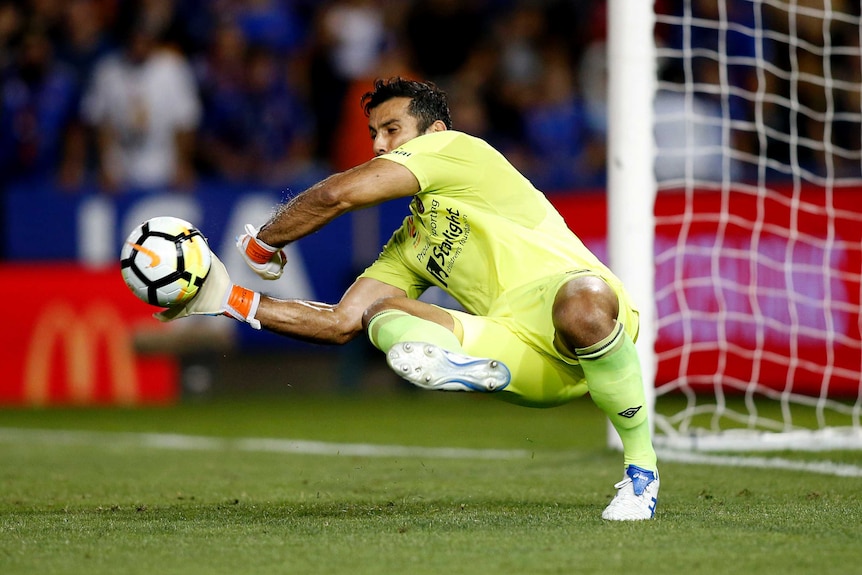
101	504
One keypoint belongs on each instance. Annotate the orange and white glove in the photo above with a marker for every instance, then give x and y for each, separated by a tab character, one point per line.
218	296
241	304
266	261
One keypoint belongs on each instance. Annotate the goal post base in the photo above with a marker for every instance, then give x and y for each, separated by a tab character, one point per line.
747	440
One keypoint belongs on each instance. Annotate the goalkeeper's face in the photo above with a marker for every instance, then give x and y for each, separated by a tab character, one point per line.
391	125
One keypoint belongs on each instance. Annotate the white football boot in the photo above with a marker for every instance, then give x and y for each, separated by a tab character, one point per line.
636	498
431	367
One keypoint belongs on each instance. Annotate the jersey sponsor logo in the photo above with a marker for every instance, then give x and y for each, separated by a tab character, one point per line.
452	229
435	269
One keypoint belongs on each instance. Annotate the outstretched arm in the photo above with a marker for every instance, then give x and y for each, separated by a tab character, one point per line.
300	319
371	183
324	323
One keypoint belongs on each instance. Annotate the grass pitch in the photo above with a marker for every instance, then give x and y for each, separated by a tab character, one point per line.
196	489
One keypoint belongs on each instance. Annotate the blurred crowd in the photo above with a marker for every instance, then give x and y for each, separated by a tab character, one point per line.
125	94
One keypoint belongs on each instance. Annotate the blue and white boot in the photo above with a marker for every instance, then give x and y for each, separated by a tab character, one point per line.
431	367
636	498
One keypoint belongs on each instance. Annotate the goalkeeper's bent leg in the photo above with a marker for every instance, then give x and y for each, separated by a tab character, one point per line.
431	357
613	374
395	326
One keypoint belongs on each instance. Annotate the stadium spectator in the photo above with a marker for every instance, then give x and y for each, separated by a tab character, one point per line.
567	153
349	39
439	57
277	25
46	15
11	23
480	108
256	128
848	101
591	63
221	76
85	38
824	83
144	107
522	32
517	32
592	72
350	134
38	102
688	137
691	131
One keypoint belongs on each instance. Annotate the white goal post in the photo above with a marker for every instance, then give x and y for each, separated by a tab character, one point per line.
735	216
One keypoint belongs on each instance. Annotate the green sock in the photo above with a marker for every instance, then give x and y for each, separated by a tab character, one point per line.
613	373
395	326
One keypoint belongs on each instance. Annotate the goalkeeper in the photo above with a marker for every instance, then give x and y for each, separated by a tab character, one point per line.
547	321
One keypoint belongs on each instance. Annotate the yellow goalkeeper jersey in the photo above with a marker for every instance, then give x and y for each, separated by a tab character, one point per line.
477	227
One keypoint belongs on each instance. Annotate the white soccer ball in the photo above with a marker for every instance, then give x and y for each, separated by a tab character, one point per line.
165	260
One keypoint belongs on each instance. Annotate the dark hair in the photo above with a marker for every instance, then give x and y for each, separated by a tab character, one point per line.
428	103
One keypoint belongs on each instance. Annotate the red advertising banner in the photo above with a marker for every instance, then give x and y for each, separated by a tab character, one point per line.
766	288
67	339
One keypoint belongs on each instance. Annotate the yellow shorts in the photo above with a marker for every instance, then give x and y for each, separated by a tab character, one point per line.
519	331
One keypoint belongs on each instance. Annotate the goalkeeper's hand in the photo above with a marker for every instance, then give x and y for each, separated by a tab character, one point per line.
266	261
217	296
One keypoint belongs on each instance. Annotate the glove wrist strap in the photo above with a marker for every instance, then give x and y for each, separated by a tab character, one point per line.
259	252
242	304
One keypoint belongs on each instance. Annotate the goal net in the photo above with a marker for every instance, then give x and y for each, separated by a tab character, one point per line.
757	126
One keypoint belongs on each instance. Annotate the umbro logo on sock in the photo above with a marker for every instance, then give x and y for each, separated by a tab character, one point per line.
630	412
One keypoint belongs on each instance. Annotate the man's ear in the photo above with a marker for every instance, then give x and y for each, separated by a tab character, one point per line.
437	126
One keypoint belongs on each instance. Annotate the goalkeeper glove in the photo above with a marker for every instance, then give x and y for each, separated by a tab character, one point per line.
218	296
266	261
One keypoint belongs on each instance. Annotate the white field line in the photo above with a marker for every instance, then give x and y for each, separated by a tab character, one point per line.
822	467
252	444
306	447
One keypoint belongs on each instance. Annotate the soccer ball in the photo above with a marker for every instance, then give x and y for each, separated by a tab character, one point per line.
165	261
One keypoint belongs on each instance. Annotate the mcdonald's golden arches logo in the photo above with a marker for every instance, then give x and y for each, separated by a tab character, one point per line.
78	335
